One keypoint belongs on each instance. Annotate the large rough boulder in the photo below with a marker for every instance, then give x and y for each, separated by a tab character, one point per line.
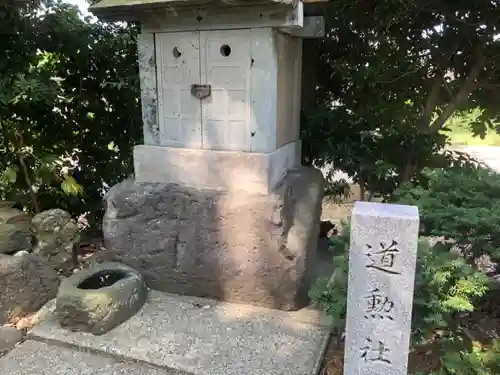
14	238
10	215
9	337
239	247
27	282
56	234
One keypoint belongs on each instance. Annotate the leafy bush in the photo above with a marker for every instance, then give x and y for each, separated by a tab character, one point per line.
69	106
331	294
444	286
475	361
370	154
460	204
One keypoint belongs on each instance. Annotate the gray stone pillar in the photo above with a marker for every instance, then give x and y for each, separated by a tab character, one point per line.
382	260
149	93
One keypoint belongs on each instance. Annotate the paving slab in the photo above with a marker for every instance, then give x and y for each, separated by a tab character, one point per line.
40	358
205	337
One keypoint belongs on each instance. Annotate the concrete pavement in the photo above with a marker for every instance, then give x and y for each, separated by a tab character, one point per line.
490	155
180	335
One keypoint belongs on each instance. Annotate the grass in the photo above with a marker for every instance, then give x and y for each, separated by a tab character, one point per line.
465	137
460	133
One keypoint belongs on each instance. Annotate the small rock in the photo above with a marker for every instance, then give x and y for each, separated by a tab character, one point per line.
20	253
9	337
56	234
14	238
27	283
113	292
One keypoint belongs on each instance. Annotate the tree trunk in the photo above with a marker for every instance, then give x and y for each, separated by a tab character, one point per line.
361	189
409	171
469	85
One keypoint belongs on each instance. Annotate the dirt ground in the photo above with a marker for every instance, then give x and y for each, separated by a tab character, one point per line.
423	360
335	212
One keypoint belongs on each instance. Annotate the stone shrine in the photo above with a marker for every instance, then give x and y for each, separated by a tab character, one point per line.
219	206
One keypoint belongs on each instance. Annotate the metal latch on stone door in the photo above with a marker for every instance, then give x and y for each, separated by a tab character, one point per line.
201	91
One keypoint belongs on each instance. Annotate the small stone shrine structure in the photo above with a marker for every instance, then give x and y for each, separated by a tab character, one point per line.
219	206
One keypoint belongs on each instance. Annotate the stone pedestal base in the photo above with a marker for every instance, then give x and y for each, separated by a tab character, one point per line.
211	169
233	246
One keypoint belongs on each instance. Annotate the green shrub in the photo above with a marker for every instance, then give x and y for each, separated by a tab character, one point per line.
459	204
331	295
70	109
475	361
444	285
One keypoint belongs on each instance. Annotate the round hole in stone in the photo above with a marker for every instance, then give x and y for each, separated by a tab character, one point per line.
102	279
225	50
176	52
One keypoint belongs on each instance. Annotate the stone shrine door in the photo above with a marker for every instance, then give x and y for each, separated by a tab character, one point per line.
219	58
178	66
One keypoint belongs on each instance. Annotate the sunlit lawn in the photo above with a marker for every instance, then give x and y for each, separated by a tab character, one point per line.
466	138
460	134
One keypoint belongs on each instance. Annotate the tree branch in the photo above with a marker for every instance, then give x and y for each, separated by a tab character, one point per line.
446	86
431	103
402	76
22	161
468	86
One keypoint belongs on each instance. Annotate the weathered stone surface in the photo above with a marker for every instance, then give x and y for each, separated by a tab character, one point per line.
256	173
16	232
14	238
9	215
32	320
9	337
56	234
39	358
199	336
147	77
6	204
20	253
382	259
238	247
100	298
26	284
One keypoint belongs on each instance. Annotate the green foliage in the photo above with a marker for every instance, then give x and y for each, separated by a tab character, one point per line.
373	156
465	128
336	190
460	204
475	361
388	77
68	90
331	294
444	286
462	129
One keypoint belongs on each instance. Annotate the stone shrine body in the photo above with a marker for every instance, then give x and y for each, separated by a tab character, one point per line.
219	206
